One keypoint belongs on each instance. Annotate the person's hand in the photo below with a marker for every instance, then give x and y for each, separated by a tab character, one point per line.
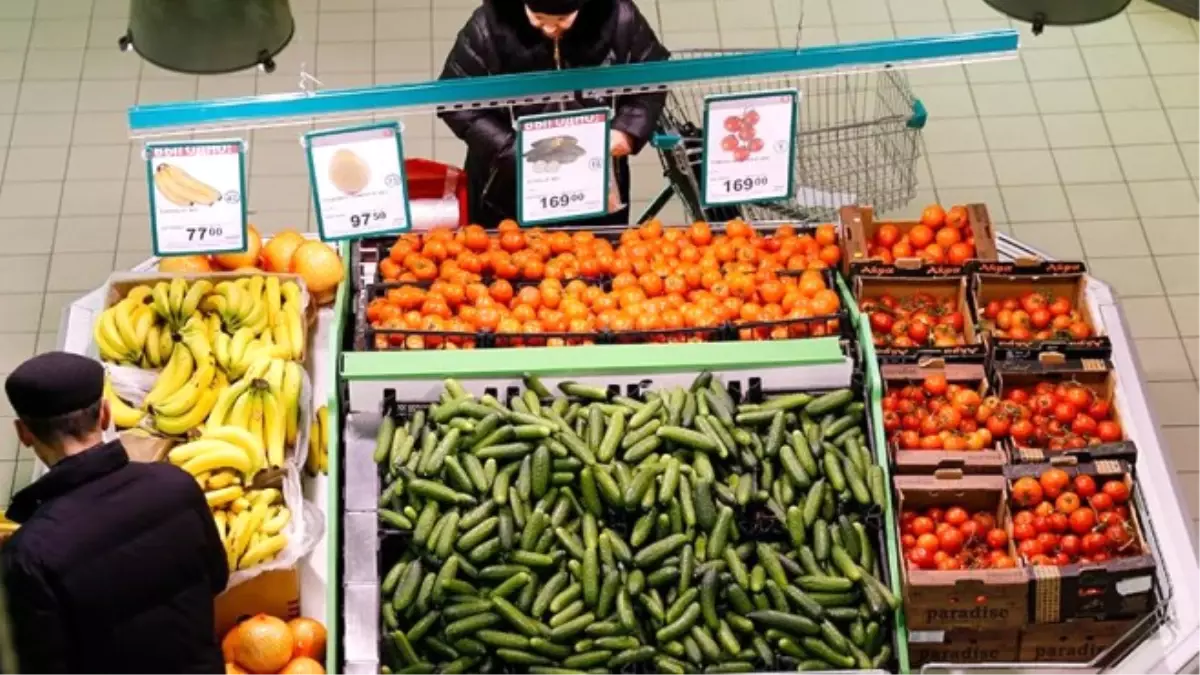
619	144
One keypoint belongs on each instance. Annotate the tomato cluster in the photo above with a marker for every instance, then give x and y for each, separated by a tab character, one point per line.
915	320
952	539
936	415
1035	316
1053	416
742	140
532	281
1061	521
941	237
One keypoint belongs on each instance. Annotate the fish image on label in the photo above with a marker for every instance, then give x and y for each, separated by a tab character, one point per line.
348	172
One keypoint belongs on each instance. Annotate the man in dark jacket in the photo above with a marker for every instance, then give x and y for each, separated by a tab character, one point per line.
510	36
116	564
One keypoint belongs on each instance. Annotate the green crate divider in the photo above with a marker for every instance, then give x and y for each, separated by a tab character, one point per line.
874	388
333	510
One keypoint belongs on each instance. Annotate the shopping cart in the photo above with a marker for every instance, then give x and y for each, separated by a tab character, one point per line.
859	136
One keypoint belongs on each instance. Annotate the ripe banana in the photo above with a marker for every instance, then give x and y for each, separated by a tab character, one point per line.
123	317
275	427
258	514
290	390
323	418
220	346
223	479
124	416
185	398
195	335
178	371
161	296
191	300
185	186
262	551
223	496
108	338
257	423
176	295
179	426
274	298
291	293
294	320
153	351
276	521
318	452
242	438
227	457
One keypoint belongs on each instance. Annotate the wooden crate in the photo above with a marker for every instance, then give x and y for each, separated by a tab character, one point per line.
960	645
859	226
899	281
1077	641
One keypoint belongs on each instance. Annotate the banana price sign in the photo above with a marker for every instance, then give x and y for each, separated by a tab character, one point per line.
359	185
197	197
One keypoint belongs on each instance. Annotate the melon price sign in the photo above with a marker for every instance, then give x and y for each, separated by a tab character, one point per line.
749	147
197	204
358	181
563	167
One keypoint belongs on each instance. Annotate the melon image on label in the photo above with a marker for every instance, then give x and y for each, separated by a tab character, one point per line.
348	172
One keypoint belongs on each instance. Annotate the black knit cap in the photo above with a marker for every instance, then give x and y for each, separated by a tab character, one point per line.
53	384
554	7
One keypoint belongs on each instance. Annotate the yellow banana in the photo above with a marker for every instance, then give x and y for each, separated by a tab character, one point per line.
257	424
290	393
276	521
291	293
178	371
258	513
236	526
186	452
112	334
197	191
222	496
220	346
263	551
295	325
153	345
143	319
161	296
123	316
124	416
102	336
276	428
212	326
258	367
139	294
274	298
228	457
166	343
237	347
186	397
222	410
177	293
223	479
221	519
243	408
242	438
274	376
240	505
195	335
255	286
178	426
195	294
169	189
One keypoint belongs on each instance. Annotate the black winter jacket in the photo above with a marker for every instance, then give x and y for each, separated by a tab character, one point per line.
114	569
499	40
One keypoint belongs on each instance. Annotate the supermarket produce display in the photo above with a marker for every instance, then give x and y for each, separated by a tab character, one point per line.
683	530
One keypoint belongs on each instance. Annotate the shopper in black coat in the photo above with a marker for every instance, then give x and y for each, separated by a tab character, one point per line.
116	563
511	36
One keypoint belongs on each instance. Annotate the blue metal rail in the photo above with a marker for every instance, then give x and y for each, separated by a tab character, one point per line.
484	90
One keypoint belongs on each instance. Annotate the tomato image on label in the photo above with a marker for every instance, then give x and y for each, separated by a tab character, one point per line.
743	140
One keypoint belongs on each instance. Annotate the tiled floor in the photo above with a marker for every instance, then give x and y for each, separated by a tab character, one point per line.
1086	147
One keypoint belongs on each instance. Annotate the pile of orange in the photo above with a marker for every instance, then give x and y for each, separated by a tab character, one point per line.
943	236
266	644
531	281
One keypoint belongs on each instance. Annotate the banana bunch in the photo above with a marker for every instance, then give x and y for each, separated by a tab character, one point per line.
186	391
250	523
219	451
128	333
318	444
177	301
266	403
124	416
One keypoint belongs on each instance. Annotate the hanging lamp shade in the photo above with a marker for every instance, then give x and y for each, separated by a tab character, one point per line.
207	37
1042	13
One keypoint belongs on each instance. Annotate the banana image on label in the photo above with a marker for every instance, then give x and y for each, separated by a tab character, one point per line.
182	189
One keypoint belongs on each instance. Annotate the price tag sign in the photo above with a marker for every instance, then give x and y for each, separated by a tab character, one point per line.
197	197
358	181
749	147
563	168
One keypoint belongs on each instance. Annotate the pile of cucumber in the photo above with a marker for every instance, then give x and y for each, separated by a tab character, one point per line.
593	532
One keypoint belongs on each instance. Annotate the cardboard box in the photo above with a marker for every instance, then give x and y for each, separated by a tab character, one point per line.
141	446
900	282
1095	374
1078	641
998	281
276	593
859	227
982	599
927	462
960	645
1117	588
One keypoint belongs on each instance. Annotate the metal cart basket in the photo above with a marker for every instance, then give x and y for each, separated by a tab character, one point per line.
859	135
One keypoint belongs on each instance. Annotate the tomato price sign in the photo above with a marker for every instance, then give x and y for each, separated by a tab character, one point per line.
749	147
562	167
359	185
197	197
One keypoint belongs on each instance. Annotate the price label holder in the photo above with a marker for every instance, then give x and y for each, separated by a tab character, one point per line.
359	185
563	167
749	147
197	196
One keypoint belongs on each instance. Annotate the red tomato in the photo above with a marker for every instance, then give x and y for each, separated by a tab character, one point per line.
998	426
1024	531
881	322
922	525
1100	500
1070	544
1109	431
921	558
1099	410
1065	412
1026	492
1117	490
1067	502
986	520
1083	425
950	541
1080	397
1021	431
1082	521
935	385
969	530
949	564
928	541
1061	559
1004	562
956	515
1118	535
1094	543
1029	548
997	539
1061	306
1058	522
1085	486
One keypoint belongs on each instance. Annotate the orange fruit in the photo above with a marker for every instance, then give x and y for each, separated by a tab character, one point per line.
920	236
302	666
233	669
933	216
247	258
277	252
264	644
184	264
321	268
308	638
826	235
